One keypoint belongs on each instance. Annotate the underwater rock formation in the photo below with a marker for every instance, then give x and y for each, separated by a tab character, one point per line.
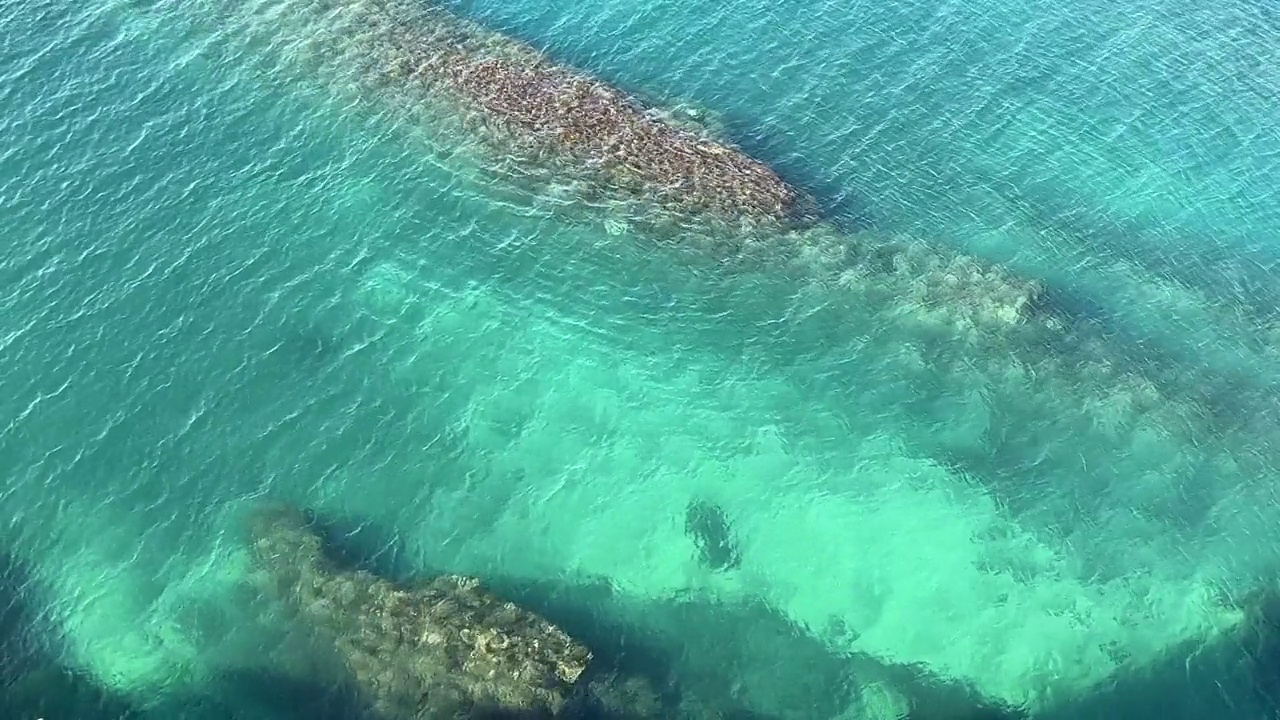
545	110
922	284
440	649
592	146
544	114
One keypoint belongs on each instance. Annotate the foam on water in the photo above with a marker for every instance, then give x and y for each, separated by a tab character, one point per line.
230	276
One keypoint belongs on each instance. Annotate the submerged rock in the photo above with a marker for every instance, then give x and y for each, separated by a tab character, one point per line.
564	116
585	144
532	115
442	648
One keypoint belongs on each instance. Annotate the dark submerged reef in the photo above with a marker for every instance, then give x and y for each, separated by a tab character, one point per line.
58	693
1260	640
1234	677
20	649
258	694
441	648
547	111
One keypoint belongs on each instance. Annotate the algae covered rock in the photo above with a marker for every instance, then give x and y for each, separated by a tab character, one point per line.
441	648
522	104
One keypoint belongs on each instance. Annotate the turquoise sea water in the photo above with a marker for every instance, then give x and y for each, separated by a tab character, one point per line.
232	272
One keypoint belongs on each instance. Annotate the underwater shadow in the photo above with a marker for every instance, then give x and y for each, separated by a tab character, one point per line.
740	660
359	544
744	659
33	682
312	345
258	693
1234	677
21	650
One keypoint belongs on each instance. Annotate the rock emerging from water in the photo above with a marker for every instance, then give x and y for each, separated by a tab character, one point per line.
441	649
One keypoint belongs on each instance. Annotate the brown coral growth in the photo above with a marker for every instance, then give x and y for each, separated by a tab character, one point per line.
564	116
441	649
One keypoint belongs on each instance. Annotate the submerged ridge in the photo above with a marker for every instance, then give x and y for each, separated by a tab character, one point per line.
530	104
532	116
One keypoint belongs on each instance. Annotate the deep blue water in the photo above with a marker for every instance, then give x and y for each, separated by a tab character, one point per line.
232	272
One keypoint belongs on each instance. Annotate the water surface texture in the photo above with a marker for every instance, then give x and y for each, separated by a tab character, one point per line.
1000	429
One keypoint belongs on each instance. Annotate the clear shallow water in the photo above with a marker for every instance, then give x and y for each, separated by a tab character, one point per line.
230	278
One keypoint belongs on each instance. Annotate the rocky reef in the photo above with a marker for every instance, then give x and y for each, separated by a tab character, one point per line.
443	648
921	284
524	102
579	143
543	114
